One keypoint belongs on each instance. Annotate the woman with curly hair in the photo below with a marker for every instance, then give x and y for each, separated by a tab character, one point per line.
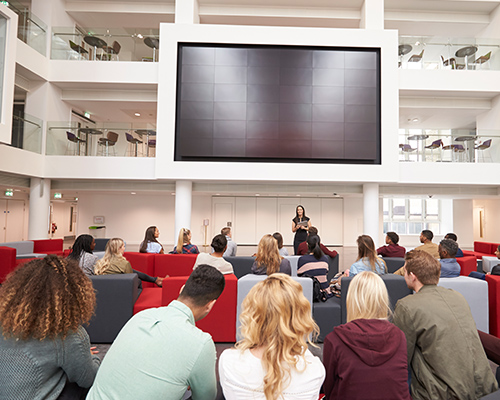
44	349
272	360
268	259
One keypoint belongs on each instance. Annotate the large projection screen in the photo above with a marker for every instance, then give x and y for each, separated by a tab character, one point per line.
261	103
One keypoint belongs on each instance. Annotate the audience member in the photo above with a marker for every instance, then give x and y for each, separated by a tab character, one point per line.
160	352
268	260
113	262
150	243
454	237
315	264
282	250
82	253
366	358
300	225
444	351
303	249
45	352
367	258
219	244
429	247
495	270
184	245
447	252
232	247
393	249
272	360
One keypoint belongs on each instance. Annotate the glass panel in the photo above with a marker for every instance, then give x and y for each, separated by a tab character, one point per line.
27	133
3	38
398	208
415	209
432	209
386	227
415	227
434	227
385	203
399	227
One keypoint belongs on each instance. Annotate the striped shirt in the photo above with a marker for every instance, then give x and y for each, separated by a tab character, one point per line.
309	265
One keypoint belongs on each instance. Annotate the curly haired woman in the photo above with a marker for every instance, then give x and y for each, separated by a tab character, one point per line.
44	349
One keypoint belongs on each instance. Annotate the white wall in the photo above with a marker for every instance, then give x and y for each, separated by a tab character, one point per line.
463	223
491	232
60	214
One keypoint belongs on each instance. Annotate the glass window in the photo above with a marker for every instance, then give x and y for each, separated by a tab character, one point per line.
3	44
415	227
398	208
411	216
399	227
432	209
385	203
415	209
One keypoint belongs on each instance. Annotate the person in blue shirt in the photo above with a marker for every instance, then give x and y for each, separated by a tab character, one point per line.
367	258
447	253
454	237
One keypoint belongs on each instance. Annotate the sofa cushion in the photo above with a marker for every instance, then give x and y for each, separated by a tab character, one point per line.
242	265
494	303
149	298
327	315
483	247
394	263
142	262
7	262
174	264
48	246
467	265
22	247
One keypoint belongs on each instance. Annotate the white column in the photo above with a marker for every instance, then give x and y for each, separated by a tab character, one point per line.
38	227
372	15
371	210
183	200
187	12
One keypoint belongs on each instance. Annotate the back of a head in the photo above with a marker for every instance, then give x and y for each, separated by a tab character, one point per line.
149	236
268	254
205	284
225	231
393	236
451	236
425	267
367	297
427	234
82	243
313	231
219	243
279	239
450	246
366	247
313	242
112	250
46	297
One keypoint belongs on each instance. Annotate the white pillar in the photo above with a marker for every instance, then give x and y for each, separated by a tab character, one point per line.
371	210
372	15
187	12
38	227
183	200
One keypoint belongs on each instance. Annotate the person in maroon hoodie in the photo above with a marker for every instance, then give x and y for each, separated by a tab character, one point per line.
366	358
393	249
303	249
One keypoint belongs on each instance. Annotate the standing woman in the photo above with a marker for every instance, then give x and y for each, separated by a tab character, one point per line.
367	357
82	253
268	260
272	360
300	225
150	244
45	352
184	245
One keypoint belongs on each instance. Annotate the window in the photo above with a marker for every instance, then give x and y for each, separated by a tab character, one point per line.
411	216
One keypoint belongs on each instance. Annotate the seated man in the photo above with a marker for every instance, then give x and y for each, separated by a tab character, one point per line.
444	351
454	237
429	247
303	249
447	252
393	249
231	246
219	244
160	352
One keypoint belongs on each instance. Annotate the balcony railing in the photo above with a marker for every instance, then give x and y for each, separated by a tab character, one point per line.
425	52
446	145
105	44
100	139
27	133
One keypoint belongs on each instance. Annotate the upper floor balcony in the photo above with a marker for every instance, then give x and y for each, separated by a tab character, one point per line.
31	29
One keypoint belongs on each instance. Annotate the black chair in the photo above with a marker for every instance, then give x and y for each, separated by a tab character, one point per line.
241	265
393	263
100	244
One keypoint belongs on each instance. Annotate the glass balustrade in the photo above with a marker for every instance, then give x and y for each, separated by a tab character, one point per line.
120	44
108	139
449	145
432	52
27	133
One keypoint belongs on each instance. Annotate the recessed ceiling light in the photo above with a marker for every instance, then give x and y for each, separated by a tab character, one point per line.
140	36
414	120
137	114
257	194
133	193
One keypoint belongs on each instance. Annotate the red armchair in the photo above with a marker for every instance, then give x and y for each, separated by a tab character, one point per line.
7	262
174	264
48	246
494	303
467	265
143	262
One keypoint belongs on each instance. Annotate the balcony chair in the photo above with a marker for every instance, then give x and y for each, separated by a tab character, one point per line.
133	142
406	149
457	149
483	59
75	142
112	50
151	145
107	142
436	144
482	147
451	62
416	57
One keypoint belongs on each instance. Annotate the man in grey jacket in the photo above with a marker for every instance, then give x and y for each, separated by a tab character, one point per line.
444	351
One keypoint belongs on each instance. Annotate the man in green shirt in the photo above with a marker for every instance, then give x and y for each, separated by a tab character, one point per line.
444	351
160	352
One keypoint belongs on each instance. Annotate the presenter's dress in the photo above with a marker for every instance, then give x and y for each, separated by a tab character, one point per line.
300	234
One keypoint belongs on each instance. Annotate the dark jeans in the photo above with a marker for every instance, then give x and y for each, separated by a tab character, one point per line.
144	277
72	391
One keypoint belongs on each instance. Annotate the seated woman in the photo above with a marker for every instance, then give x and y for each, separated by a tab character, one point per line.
315	264
272	360
82	253
184	245
495	270
113	262
44	349
268	259
150	243
367	258
283	251
367	357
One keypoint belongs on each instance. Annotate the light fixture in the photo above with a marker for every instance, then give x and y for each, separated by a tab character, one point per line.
76	198
137	114
257	194
86	114
414	120
139	35
57	195
133	193
417	43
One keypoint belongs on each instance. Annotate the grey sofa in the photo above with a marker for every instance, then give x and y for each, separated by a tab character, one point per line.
393	263
24	249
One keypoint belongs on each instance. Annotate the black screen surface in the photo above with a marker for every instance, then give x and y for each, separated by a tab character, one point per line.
278	104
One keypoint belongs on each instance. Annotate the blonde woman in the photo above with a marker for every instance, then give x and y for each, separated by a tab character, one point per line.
272	360
367	357
184	245
268	259
113	262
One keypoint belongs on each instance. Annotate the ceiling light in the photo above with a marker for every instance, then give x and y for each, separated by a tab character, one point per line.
257	194
133	193
417	43
414	120
137	114
139	35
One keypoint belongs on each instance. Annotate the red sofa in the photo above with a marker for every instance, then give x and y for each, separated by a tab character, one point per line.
48	246
482	249
494	303
467	265
142	262
7	262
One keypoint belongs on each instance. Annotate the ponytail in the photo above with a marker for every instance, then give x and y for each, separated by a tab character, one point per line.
313	245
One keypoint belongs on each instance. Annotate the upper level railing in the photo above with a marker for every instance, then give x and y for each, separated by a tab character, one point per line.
101	139
425	52
105	44
27	133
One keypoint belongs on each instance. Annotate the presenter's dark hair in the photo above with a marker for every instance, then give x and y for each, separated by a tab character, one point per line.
148	237
297	213
451	236
428	234
313	245
279	239
219	243
205	284
82	244
393	236
450	246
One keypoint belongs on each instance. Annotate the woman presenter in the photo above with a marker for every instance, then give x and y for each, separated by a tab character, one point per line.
300	225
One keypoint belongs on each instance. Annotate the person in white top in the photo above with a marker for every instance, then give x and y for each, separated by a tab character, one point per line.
231	246
272	360
219	244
